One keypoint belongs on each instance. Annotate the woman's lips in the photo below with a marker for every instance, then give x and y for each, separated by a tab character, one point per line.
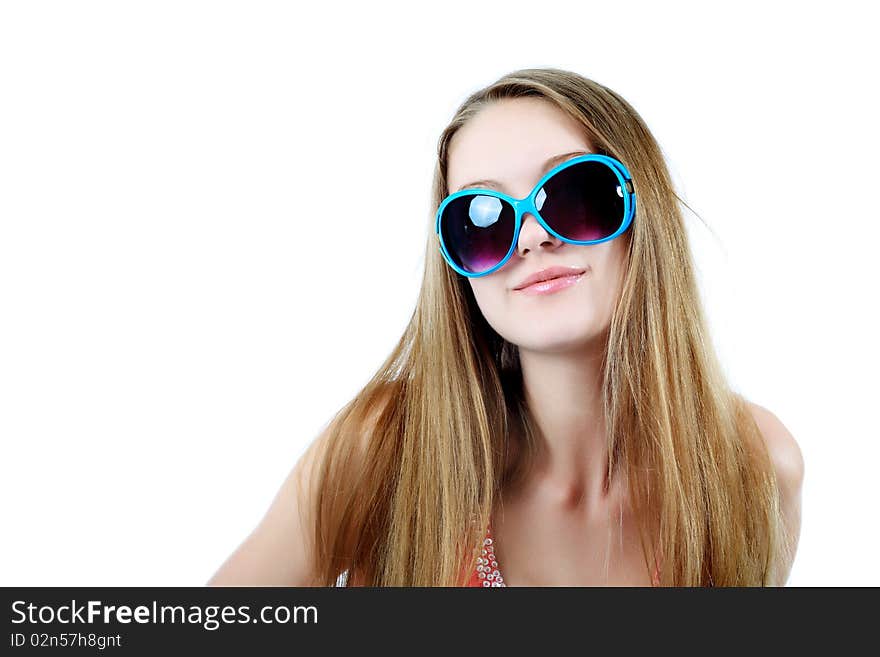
551	286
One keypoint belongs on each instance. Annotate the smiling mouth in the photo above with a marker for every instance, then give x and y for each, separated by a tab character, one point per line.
551	285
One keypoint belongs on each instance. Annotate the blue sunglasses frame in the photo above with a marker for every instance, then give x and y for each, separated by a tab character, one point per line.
527	204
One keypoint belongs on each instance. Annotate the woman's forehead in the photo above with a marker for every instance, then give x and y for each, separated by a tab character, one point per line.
510	141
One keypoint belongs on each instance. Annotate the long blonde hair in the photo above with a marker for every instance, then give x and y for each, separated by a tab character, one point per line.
415	461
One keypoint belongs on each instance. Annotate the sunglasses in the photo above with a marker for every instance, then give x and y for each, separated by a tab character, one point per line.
586	200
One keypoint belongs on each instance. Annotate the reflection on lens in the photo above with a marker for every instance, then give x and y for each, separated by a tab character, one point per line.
540	197
484	211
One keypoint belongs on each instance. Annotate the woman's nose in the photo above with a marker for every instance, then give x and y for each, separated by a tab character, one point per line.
533	235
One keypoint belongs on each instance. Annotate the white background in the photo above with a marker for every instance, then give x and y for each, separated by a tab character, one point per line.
197	269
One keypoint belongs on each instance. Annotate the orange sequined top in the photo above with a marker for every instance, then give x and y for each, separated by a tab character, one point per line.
486	572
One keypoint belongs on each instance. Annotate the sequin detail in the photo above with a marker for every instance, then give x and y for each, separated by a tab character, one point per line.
487	573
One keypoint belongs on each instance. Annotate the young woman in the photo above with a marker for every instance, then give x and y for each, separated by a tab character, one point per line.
554	413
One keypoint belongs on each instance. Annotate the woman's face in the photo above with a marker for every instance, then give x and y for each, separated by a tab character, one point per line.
510	142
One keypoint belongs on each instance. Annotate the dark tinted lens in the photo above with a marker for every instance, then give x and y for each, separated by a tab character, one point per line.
477	231
582	202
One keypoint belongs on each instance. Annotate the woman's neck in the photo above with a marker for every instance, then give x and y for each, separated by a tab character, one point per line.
563	394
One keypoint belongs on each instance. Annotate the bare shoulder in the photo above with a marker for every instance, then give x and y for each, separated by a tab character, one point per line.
788	460
788	463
